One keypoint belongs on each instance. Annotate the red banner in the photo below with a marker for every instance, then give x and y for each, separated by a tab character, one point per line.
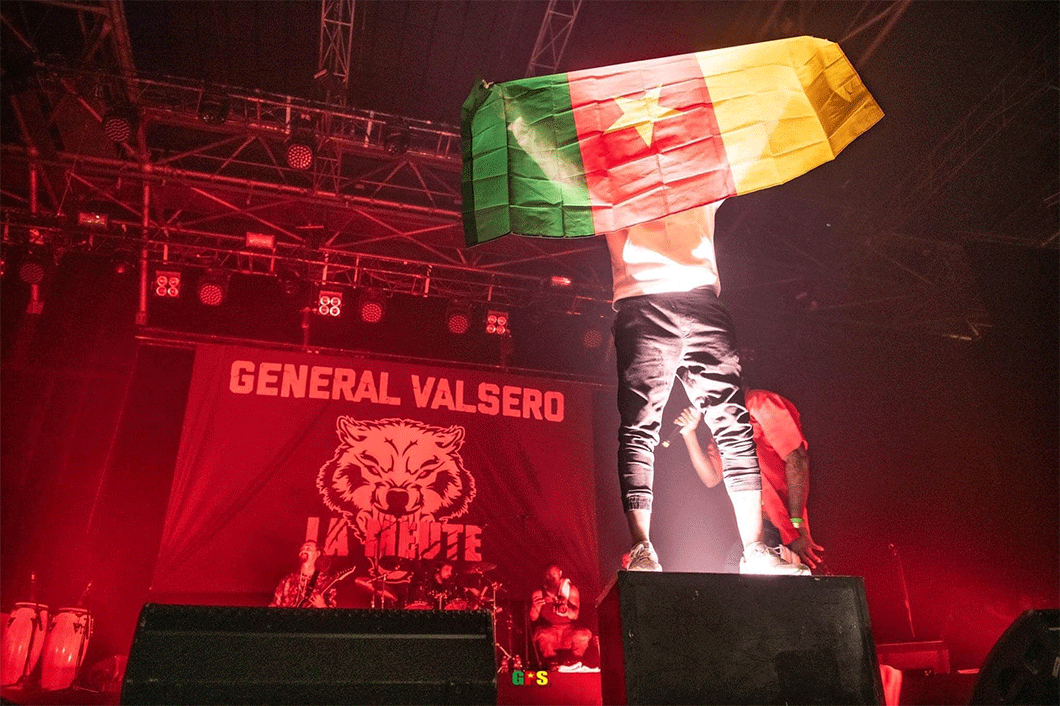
375	459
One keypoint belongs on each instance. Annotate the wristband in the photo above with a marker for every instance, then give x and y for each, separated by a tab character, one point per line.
797	522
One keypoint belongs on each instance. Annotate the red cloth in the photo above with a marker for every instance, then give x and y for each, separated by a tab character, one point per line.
778	432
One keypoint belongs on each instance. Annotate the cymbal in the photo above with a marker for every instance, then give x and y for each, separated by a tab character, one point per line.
375	586
480	568
395	563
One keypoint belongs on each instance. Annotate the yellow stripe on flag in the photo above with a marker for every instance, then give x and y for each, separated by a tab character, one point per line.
785	107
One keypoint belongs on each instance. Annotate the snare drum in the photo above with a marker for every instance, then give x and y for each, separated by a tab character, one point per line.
23	641
64	649
456	604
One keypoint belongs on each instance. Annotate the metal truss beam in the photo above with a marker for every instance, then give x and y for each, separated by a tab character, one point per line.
1019	88
552	38
336	44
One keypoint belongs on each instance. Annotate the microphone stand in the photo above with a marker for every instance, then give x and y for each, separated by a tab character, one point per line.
905	589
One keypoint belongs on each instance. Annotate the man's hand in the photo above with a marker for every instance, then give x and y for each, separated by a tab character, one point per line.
806	549
317	601
539	599
688	420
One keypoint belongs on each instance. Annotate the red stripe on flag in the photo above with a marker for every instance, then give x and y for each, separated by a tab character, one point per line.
630	181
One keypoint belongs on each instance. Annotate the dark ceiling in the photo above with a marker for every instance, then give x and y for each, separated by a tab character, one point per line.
966	155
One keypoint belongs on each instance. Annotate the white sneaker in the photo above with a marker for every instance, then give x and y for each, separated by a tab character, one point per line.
642	557
760	559
576	667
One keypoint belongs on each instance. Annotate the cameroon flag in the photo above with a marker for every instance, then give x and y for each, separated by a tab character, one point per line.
594	151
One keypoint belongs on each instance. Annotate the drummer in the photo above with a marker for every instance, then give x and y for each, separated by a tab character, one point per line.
442	585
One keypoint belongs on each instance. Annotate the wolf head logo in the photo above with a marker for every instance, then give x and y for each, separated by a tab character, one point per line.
395	469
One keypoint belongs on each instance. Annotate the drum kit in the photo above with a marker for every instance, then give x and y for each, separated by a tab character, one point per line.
396	583
58	644
406	584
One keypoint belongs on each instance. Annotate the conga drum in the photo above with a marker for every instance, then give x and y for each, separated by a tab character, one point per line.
23	641
64	648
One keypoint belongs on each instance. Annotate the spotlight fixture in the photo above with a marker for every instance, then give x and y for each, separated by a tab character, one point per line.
260	241
300	153
396	140
122	265
32	269
212	287
458	317
93	219
167	283
560	282
497	323
329	302
118	124
300	149
372	306
213	109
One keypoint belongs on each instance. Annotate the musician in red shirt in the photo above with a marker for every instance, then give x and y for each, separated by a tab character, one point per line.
784	460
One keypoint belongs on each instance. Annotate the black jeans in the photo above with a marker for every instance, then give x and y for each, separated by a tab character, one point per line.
688	335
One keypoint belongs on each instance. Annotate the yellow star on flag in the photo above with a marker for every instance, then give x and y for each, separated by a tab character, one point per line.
641	113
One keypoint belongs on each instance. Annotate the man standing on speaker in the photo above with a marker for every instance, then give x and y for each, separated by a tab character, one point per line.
669	323
785	465
555	608
310	586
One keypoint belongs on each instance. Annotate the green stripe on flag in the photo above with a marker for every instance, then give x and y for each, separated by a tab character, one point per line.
523	170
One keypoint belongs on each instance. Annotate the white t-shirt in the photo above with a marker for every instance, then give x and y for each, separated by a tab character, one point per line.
671	254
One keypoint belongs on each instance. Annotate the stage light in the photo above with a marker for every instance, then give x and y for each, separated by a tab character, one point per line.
167	283
260	241
213	109
592	338
560	282
458	317
32	269
118	124
372	306
329	302
122	264
396	141
212	287
300	149
497	323
93	219
300	153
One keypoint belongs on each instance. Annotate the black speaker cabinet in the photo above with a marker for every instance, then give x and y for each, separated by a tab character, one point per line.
1022	666
232	655
676	638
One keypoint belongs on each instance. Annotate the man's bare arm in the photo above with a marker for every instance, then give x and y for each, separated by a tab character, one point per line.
707	464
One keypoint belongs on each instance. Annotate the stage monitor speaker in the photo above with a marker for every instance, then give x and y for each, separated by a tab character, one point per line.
682	638
1023	665
232	655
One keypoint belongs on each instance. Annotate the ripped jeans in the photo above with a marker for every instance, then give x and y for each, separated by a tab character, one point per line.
688	335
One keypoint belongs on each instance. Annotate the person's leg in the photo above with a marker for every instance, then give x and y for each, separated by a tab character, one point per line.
580	639
710	373
546	639
647	346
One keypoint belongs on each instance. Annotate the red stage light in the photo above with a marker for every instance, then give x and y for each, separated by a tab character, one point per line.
167	284
329	303
372	306
497	323
458	318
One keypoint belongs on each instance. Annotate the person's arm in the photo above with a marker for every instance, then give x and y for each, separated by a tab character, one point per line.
537	601
572	607
707	465
797	474
278	594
